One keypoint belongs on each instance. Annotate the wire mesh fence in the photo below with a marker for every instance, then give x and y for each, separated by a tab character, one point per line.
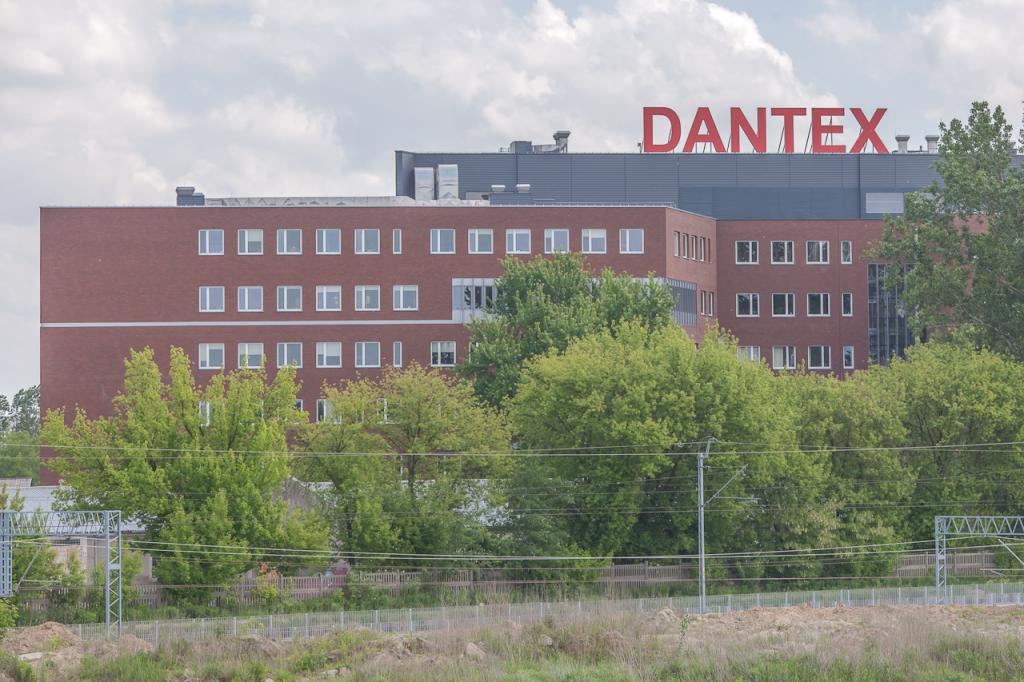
441	618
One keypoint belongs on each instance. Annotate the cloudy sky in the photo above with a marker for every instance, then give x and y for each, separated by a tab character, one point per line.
117	102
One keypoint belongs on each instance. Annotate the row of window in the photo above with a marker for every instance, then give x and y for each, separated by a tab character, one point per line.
442	241
783	252
691	247
328	298
328	354
784	357
784	305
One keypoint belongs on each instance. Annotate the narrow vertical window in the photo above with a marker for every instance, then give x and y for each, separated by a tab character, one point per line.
396	354
396	240
846	252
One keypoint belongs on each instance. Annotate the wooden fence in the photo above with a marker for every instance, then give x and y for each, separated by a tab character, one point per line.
962	564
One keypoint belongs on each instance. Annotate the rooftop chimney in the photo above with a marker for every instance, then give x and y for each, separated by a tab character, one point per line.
933	143
901	143
188	196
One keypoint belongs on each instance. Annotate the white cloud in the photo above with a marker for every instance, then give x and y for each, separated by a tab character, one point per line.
841	24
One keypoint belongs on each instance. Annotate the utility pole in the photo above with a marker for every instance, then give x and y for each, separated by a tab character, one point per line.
700	520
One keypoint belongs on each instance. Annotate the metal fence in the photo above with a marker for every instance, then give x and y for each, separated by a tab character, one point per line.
441	618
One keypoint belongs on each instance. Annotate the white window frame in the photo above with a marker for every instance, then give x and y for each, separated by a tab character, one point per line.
286	346
248	348
204	356
511	239
755	304
204	299
752	248
549	239
396	354
852	363
322	355
359	246
751	353
676	248
790	248
474	240
246	289
435	241
711	303
703	248
398	298
826	357
325	412
847	296
282	298
361	291
283	234
204	241
823	250
243	239
437	348
824	304
396	240
626	245
321	241
790	298
846	252
322	290
788	360
588	237
360	353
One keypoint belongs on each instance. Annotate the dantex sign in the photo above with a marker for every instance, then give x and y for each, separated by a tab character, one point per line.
703	130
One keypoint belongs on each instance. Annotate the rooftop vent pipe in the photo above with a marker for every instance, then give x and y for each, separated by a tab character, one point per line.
901	143
933	143
562	140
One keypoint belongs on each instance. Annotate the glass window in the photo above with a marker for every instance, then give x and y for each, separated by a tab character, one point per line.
481	240
289	354
847	304
289	241
847	357
783	357
367	353
328	354
396	354
631	240
367	297
711	303
250	299
289	299
442	353
819	357
328	240
556	241
703	243
211	356
817	252
517	241
846	251
250	355
595	241
211	299
675	244
746	252
328	297
442	240
406	297
747	305
782	253
211	242
367	240
396	240
693	247
325	411
783	305
752	353
250	242
817	305
686	246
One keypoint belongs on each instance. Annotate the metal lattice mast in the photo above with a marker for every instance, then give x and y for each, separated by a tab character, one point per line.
940	559
969	526
701	455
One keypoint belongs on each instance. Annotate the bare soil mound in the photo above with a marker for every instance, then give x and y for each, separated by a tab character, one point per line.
45	637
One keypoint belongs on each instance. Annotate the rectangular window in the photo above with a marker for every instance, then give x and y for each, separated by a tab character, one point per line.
686	246
289	354
396	354
250	355
817	252
328	354
211	242
631	240
783	305
675	244
818	305
442	240
751	353
819	357
396	240
250	242
711	303
847	304
847	357
328	241
328	297
783	357
211	299
703	302
782	253
367	297
693	247
298	404
211	356
289	242
748	305
250	299
595	241
367	240
746	252
406	297
289	299
846	252
517	241
367	353
481	240
325	411
442	353
556	241
703	247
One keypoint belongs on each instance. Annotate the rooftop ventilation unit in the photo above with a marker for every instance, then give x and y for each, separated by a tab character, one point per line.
423	180
447	181
901	143
933	143
523	188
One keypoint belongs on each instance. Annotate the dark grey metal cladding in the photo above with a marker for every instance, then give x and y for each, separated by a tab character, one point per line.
652	178
598	178
549	175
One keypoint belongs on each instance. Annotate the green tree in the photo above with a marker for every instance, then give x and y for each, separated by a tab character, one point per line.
193	465
962	239
24	411
542	305
19	455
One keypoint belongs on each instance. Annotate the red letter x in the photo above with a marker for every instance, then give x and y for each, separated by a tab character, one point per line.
868	133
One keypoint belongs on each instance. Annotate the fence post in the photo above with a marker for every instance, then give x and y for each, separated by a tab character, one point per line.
234	626
411	629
